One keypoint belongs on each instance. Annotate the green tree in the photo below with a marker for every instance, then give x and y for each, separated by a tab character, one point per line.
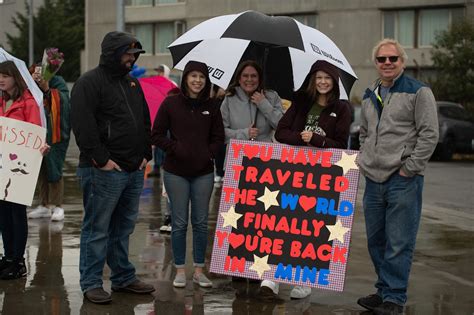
453	56
58	23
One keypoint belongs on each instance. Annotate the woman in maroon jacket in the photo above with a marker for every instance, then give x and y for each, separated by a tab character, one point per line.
318	118
196	131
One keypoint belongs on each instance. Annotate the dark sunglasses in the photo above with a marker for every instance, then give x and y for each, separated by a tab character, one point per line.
383	59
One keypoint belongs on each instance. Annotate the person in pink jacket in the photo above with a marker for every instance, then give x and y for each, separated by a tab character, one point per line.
16	103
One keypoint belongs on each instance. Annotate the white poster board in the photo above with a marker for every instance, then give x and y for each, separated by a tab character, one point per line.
20	159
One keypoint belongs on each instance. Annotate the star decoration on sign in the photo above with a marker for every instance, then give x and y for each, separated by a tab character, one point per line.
337	231
260	265
269	198
347	162
231	217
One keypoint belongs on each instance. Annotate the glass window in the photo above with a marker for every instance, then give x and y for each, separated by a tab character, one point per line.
138	2
389	24
406	28
166	1
164	35
401	26
144	33
431	22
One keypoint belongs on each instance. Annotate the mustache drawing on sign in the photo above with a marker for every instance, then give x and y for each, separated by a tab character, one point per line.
18	168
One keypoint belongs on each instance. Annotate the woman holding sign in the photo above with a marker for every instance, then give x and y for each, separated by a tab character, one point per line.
248	111
196	135
16	103
318	118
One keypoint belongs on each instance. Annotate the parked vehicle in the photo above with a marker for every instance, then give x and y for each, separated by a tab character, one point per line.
456	130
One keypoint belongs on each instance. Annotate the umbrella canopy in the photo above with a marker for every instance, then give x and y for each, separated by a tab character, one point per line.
32	86
155	89
284	47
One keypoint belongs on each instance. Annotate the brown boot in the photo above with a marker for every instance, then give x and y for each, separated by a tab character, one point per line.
98	296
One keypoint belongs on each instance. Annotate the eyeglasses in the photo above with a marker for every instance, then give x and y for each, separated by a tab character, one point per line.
383	59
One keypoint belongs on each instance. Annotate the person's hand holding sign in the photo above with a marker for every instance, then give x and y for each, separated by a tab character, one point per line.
306	136
253	133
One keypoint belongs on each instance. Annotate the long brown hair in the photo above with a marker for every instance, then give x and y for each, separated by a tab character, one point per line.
313	93
235	80
9	68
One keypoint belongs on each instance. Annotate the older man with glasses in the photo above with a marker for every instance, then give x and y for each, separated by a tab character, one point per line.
398	134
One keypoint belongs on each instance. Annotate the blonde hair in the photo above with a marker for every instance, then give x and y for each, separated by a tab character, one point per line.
389	41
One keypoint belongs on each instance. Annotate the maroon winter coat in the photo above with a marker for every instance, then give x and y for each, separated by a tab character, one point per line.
335	119
196	132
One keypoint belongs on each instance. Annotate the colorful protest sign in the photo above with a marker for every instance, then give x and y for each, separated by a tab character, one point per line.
286	214
20	159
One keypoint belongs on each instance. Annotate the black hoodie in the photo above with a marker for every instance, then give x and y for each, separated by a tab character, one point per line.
195	127
109	114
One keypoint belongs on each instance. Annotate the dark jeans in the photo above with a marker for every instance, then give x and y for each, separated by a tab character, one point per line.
392	215
14	228
110	211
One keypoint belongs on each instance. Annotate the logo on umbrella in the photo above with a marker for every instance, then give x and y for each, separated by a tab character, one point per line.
215	72
315	48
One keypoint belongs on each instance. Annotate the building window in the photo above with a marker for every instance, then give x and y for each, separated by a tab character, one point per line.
164	35
306	19
134	3
144	33
156	37
419	27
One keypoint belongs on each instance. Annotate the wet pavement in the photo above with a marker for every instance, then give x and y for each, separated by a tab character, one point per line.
442	277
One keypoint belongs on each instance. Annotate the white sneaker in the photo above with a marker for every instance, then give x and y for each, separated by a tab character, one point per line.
274	286
58	214
218	179
299	292
39	212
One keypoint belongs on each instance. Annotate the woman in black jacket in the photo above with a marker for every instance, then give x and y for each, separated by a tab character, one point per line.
196	133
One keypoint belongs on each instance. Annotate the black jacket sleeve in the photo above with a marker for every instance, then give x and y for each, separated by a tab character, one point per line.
161	126
147	126
85	97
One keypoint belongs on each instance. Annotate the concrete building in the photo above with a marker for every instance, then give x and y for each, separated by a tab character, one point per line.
355	26
8	10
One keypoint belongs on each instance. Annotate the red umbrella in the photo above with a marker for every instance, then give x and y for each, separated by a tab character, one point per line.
156	89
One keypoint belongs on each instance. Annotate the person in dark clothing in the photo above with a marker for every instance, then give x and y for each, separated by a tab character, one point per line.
318	118
111	122
196	131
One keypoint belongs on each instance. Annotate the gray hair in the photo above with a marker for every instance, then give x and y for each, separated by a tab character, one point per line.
389	41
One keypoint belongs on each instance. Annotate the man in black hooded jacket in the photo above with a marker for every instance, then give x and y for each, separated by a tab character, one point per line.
111	123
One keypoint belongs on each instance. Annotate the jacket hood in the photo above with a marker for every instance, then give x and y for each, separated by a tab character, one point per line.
201	67
114	45
325	66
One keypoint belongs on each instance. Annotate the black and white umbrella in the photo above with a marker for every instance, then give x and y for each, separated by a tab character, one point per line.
284	47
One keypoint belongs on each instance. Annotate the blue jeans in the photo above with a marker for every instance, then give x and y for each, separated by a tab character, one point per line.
392	215
182	190
158	157
110	211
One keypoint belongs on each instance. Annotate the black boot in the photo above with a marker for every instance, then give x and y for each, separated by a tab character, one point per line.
15	270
